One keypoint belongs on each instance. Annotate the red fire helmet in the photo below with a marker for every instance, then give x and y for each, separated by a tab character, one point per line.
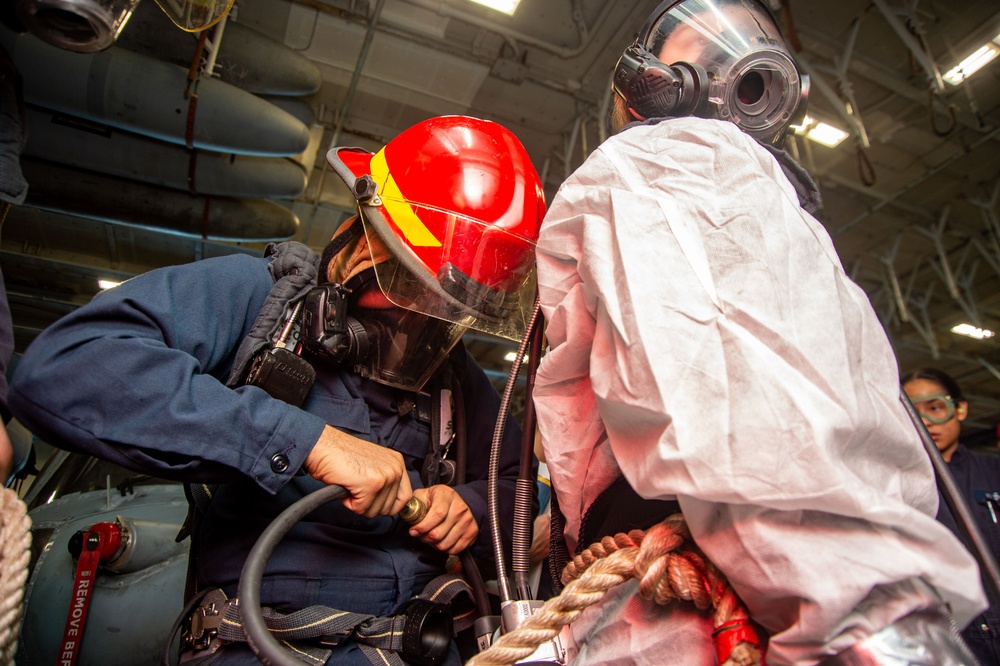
457	203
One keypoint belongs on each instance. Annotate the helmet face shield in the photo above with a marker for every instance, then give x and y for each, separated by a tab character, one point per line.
484	278
405	347
752	79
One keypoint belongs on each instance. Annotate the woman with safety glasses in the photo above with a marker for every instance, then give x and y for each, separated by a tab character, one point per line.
940	403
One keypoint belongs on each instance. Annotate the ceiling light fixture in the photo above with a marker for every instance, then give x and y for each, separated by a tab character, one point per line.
505	6
820	132
974	62
972	331
107	284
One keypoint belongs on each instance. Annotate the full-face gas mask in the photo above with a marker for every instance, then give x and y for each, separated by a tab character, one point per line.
722	59
450	210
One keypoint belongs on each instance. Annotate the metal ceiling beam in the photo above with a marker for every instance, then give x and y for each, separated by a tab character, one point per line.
586	34
822	45
915	47
986	138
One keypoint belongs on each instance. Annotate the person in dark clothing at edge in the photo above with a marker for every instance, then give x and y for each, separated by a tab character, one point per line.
13	190
443	241
942	406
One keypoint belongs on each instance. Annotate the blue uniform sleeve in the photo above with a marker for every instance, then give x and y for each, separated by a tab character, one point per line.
137	377
481	405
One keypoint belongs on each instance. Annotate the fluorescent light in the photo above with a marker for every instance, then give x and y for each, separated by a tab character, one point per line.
511	355
505	6
806	122
974	62
972	331
820	132
828	135
107	284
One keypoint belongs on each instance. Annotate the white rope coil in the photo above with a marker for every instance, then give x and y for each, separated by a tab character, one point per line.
15	551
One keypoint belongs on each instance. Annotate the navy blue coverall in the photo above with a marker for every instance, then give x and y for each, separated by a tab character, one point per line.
137	377
976	474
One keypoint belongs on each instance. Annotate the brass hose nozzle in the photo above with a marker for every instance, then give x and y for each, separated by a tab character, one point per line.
413	511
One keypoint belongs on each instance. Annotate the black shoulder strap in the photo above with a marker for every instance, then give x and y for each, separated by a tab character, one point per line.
294	268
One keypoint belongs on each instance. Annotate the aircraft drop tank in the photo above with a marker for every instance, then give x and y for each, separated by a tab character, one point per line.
87	194
145	95
71	141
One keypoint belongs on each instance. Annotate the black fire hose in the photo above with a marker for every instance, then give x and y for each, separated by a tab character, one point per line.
974	540
263	644
267	649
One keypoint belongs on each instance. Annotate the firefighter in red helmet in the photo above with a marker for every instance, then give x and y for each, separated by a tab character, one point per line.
450	211
265	378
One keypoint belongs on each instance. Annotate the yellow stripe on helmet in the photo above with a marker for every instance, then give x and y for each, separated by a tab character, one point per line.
398	208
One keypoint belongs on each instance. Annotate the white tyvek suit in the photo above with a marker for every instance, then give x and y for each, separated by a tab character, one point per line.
706	342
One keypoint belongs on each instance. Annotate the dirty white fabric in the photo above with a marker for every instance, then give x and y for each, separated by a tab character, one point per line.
706	341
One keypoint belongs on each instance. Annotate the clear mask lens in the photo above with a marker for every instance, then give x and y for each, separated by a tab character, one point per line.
937	408
752	80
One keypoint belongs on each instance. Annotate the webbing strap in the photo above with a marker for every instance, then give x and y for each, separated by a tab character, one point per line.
445	589
86	570
380	638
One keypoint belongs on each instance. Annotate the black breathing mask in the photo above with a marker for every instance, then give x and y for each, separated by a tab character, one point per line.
327	331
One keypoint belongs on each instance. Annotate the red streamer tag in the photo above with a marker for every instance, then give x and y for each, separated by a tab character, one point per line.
86	570
730	634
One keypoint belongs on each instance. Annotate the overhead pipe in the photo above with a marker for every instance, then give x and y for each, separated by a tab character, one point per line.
919	54
990	218
966	301
969	302
924	326
936	234
406	32
874	72
568	147
825	89
523	38
986	256
846	89
345	108
916	181
212	45
887	260
989	366
870	193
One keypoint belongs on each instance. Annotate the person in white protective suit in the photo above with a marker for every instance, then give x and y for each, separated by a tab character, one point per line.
707	346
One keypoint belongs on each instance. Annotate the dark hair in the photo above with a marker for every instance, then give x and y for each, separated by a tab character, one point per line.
938	377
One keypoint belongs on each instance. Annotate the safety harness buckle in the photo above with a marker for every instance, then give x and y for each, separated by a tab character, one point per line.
203	629
204	626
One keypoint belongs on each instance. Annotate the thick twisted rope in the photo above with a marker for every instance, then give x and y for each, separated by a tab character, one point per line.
15	551
664	575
